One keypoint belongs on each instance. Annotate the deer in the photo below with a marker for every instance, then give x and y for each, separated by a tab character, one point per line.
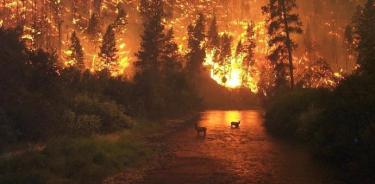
200	129
235	124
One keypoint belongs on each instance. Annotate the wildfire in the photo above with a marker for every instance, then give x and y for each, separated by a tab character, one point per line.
232	73
49	24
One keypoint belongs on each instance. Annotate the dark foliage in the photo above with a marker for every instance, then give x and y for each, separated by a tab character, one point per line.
161	85
77	55
282	23
339	125
40	100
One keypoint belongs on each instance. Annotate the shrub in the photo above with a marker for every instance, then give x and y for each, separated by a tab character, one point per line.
285	111
339	125
111	114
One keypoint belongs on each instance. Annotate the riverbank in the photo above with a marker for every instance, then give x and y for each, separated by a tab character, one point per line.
90	159
337	125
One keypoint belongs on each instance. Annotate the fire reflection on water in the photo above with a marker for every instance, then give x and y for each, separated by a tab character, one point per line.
249	153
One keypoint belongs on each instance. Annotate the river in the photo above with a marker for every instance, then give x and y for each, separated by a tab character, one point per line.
245	155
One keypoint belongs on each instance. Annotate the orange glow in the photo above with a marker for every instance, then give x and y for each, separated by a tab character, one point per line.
231	73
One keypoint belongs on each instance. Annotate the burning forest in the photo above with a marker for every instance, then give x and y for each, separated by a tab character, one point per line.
236	43
187	91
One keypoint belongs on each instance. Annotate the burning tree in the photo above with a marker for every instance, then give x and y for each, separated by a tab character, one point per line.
58	16
93	28
248	47
76	52
108	50
282	23
213	39
121	18
316	73
225	51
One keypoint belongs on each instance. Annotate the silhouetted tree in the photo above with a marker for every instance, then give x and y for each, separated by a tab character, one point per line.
77	53
249	45
148	75
97	4
248	48
366	44
170	56
177	92
351	37
58	14
93	27
239	48
282	22
121	18
152	37
108	50
225	47
213	39
196	53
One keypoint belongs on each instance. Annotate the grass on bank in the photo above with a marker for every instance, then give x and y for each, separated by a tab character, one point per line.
80	160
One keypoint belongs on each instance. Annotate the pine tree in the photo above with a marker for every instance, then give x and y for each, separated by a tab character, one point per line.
77	52
170	57
121	18
171	64
148	78
366	45
239	48
152	37
282	23
93	27
74	10
225	47
169	8
197	52
213	39
97	4
248	48
58	14
176	90
249	45
351	37
108	50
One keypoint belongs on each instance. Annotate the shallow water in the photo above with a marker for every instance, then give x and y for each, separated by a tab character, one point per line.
238	155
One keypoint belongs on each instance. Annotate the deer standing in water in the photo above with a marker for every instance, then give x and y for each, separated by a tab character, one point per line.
200	129
235	124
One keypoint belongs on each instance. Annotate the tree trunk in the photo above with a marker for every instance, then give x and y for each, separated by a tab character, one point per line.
288	44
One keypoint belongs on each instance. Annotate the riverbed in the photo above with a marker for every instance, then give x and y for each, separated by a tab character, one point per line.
244	155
